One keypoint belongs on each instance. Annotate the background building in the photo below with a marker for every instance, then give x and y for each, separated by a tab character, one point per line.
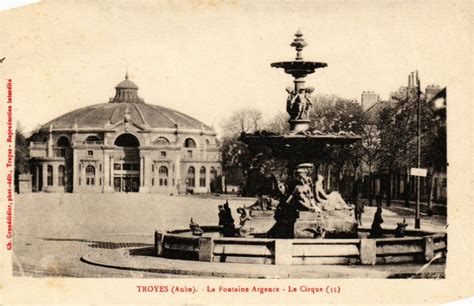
368	99
125	145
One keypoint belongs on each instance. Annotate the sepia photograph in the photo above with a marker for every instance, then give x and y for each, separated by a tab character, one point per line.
235	149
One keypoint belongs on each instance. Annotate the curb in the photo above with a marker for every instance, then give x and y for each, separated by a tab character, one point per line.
158	265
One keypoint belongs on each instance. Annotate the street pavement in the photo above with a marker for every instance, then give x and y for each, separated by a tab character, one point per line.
51	232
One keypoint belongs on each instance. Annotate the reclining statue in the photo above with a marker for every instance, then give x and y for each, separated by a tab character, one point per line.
332	201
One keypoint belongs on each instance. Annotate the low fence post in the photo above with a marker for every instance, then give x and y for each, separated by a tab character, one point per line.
283	252
429	248
368	252
205	248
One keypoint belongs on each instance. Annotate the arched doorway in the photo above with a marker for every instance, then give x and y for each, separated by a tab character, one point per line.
213	179
126	167
191	179
63	149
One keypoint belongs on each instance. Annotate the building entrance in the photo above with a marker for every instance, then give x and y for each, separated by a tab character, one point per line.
126	177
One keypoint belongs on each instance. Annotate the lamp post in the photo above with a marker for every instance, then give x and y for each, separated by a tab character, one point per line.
418	152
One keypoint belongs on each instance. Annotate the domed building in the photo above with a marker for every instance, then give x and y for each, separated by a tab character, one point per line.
125	145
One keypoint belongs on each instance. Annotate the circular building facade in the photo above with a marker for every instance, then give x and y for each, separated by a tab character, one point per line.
125	145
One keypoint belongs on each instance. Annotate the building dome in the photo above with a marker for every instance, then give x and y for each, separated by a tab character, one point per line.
129	106
126	84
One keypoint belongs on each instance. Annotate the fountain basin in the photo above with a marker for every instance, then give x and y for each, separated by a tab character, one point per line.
418	246
299	67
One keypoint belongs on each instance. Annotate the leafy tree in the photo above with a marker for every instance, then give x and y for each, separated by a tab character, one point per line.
21	153
398	127
371	150
248	168
334	115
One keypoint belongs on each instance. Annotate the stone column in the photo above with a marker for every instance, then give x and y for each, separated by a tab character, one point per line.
146	172
105	172
45	176
55	175
83	174
111	174
50	141
177	173
155	175
208	178
75	171
141	171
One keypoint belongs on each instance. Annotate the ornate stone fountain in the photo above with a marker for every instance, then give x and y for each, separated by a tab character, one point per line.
287	228
302	212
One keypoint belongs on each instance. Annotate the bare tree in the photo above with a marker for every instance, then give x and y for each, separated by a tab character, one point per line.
244	120
278	124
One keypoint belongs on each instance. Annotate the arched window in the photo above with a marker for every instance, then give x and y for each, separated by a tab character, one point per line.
50	175
161	141
93	139
189	143
127	140
61	175
191	177
208	142
202	177
163	176
63	142
90	175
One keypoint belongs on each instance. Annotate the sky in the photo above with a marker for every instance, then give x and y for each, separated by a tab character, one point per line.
210	58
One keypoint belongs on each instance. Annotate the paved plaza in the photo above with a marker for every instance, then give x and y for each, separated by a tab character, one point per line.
53	231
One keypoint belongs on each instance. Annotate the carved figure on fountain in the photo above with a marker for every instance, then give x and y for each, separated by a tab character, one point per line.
303	196
332	201
298	105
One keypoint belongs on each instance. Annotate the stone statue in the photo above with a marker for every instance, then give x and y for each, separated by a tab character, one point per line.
400	230
309	99
244	216
195	228
221	215
332	201
376	229
298	105
228	226
302	195
291	94
263	202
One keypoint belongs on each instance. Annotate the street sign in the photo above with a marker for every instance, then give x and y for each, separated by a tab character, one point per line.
418	172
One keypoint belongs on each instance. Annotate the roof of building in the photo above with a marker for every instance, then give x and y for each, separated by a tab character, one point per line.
127	84
126	104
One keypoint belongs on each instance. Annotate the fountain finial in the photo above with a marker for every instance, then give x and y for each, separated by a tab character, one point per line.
299	44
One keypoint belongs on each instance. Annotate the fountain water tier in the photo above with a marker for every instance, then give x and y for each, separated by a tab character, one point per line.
299	68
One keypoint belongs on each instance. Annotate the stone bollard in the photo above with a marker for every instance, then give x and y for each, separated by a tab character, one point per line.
24	183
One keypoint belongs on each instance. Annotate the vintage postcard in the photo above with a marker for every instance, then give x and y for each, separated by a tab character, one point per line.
236	152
